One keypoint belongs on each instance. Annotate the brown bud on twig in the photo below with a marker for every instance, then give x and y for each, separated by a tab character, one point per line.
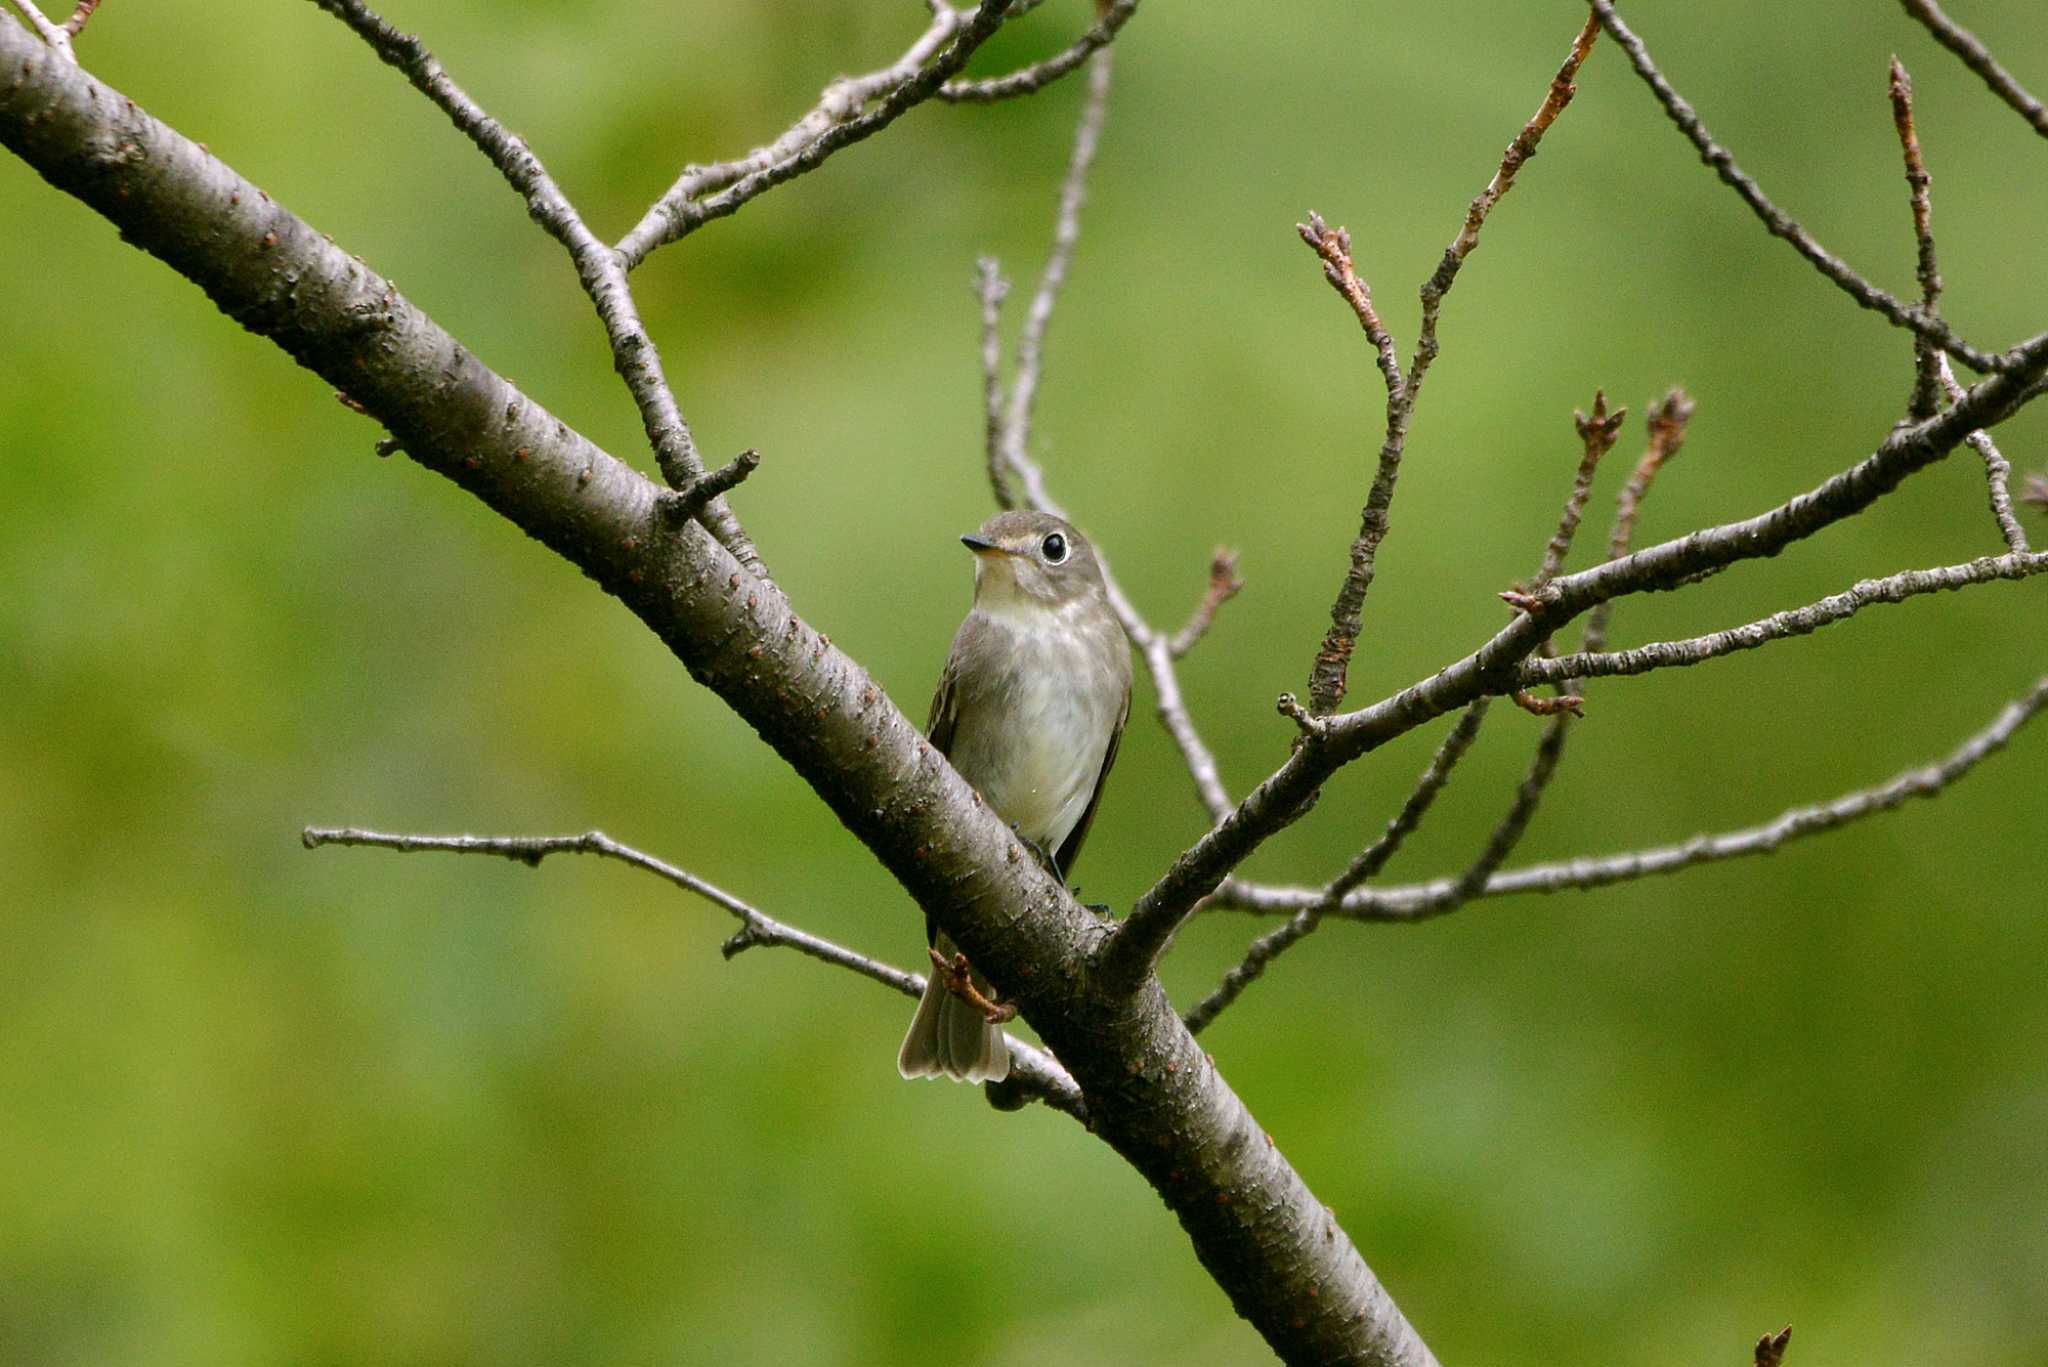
1549	707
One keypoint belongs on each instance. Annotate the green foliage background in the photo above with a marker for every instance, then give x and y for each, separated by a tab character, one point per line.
265	1106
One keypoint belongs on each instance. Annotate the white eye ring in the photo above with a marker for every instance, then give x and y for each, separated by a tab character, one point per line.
1053	548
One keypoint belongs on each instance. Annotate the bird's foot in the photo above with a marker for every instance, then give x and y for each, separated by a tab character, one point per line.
959	980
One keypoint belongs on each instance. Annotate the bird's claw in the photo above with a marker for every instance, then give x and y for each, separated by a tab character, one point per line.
959	980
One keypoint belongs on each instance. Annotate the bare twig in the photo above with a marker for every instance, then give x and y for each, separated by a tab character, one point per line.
1262	951
1050	1081
704	193
1597	434
1224	585
599	269
1770	1349
1066	234
1329	676
1413	901
1997	469
80	16
1926	358
1515	823
1333	245
991	289
1668	419
1780	223
58	36
1129	953
1535	705
689	500
1039	75
1801	621
1157	652
1978	58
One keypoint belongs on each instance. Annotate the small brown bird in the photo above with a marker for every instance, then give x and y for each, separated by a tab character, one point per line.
1029	709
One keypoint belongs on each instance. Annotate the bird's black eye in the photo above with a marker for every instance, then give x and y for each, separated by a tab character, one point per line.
1054	547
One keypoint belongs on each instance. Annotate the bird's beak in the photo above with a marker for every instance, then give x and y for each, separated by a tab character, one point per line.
980	546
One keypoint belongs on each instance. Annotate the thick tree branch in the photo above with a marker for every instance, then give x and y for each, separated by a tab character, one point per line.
1780	223
1033	1072
1151	1092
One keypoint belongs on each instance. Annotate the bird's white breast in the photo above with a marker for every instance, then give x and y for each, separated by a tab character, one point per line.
1032	736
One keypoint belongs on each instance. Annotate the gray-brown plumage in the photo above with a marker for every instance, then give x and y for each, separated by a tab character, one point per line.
1029	709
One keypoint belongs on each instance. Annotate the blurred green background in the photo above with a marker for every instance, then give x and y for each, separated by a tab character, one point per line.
266	1106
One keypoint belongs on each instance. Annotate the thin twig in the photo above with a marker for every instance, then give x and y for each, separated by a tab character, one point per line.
1412	901
1997	469
1051	1082
1926	358
1333	245
1260	954
1224	585
80	16
58	36
1802	621
1668	420
1039	75
704	193
992	289
1568	702
688	501
1978	58
1515	823
1066	234
598	267
1780	223
1130	952
1329	676
1597	434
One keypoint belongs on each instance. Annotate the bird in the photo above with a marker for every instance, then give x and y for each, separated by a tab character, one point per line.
1029	709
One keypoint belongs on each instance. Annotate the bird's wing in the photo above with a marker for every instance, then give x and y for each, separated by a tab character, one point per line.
1070	848
938	729
938	726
